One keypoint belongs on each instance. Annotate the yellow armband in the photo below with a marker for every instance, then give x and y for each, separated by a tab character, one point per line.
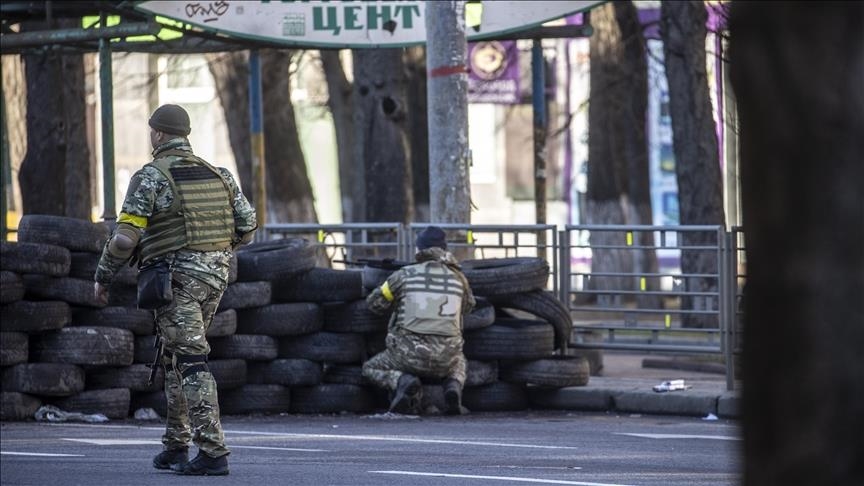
385	291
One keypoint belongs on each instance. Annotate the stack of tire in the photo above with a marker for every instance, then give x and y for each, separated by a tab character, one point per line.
57	341
287	337
525	339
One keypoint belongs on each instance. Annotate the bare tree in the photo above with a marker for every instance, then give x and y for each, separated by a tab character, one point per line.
632	121
15	101
697	159
351	178
413	123
801	112
230	72
289	192
56	134
618	188
380	141
417	125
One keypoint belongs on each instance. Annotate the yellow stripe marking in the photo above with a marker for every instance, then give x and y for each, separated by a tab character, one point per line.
320	236
469	236
136	221
629	238
668	321
642	284
385	291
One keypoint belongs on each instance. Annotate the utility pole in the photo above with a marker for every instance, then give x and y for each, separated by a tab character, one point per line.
538	98
449	156
106	91
256	118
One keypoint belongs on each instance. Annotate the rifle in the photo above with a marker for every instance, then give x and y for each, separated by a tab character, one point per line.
157	344
382	263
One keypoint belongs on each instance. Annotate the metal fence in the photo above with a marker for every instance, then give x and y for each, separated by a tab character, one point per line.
627	287
352	241
478	241
653	288
344	242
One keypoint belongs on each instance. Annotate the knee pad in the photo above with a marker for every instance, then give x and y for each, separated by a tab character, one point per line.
195	362
124	241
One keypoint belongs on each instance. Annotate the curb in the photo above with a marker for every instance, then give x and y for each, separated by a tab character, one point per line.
630	397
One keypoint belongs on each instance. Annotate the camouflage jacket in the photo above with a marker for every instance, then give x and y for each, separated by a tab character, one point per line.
430	297
150	192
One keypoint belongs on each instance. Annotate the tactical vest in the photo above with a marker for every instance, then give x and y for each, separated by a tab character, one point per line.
432	300
200	217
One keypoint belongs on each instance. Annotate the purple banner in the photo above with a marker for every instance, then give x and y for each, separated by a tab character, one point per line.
493	74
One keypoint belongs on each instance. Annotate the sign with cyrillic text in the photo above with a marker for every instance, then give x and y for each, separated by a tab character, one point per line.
353	24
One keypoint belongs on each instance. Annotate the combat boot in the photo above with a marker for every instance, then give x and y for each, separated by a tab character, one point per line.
453	397
408	387
204	465
171	458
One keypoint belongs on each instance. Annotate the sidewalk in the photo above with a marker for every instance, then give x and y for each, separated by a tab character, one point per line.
625	386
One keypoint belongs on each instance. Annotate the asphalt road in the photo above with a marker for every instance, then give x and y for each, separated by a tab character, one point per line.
351	450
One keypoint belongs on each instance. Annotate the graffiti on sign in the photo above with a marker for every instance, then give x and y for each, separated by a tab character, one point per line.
208	11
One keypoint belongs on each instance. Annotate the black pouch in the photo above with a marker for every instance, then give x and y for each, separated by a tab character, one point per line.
154	286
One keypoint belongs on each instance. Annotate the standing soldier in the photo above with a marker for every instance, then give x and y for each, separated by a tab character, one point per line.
424	336
186	216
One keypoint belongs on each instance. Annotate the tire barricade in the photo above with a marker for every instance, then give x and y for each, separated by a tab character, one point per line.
287	338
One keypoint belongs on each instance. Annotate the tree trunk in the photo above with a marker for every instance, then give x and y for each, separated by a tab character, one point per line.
56	135
418	130
697	160
230	72
15	97
632	122
449	157
339	101
605	154
801	113
289	193
380	140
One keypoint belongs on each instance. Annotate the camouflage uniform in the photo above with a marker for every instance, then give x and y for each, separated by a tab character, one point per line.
424	336
199	278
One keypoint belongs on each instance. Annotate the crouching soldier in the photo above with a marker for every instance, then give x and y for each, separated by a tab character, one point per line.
424	337
182	217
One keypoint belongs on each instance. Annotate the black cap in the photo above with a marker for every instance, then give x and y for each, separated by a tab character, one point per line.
432	236
171	119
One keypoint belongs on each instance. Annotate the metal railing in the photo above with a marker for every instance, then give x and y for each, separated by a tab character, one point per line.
635	285
352	241
342	242
652	288
482	241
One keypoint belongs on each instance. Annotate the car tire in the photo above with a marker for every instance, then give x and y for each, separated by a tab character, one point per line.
44	379
98	346
255	399
72	233
11	287
497	276
280	319
324	347
30	317
111	402
515	339
251	347
558	372
35	258
288	372
332	398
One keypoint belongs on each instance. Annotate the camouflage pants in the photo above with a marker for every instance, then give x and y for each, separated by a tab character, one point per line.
424	355
193	406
